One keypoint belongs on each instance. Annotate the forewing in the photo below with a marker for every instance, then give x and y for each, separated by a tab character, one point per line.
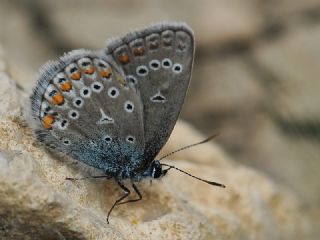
159	60
83	107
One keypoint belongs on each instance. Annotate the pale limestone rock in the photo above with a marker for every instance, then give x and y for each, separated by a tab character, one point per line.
286	10
36	202
288	141
25	48
185	134
294	61
2	62
214	21
221	86
10	98
83	25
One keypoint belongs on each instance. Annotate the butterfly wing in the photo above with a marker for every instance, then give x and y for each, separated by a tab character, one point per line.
159	60
83	107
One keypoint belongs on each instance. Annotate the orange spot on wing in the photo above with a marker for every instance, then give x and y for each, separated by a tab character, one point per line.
47	121
75	76
89	70
106	73
123	58
58	99
139	51
66	86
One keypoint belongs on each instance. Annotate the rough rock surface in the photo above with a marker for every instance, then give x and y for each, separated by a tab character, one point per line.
36	202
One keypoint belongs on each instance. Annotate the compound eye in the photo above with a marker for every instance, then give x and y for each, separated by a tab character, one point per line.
157	172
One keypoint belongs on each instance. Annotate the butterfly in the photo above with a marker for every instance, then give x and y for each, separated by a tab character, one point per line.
114	109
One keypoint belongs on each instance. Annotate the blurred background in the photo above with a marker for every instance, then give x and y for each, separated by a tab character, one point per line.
256	78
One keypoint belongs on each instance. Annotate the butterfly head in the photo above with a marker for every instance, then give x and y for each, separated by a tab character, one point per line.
156	171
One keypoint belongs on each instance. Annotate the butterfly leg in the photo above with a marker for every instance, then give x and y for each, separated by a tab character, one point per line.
90	177
126	194
133	200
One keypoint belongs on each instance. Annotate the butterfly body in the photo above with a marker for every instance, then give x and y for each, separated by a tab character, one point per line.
115	109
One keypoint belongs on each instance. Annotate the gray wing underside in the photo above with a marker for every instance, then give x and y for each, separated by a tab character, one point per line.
163	88
101	115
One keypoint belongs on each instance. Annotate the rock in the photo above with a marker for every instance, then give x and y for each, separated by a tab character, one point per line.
213	21
8	91
25	48
205	153
291	159
293	130
220	86
225	97
50	28
2	62
36	202
294	63
288	9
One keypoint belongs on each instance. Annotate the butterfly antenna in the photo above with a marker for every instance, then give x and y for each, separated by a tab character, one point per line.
189	146
203	180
